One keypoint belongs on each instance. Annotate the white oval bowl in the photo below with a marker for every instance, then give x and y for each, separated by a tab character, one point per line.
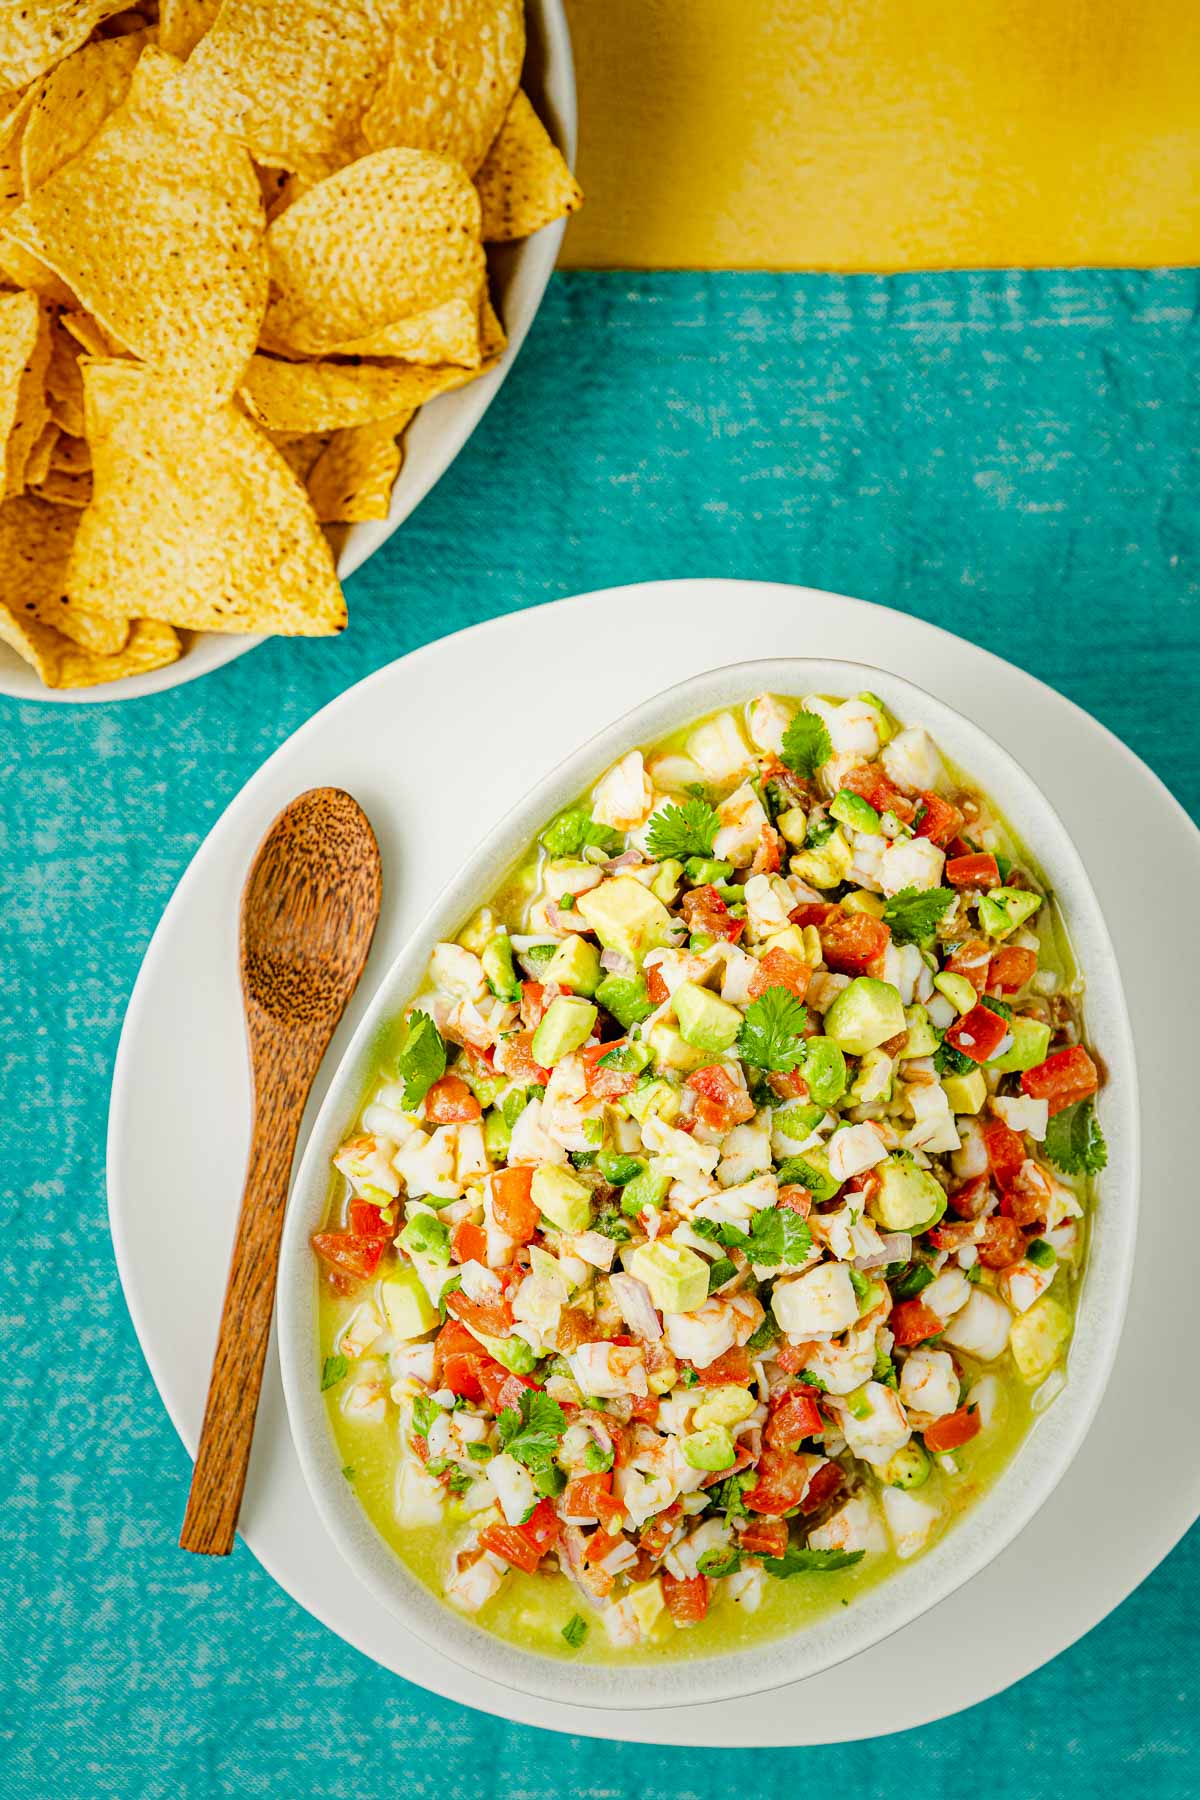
1052	1442
519	274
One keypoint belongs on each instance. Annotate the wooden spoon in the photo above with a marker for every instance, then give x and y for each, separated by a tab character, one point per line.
309	910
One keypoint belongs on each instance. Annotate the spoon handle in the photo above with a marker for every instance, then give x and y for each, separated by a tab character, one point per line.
219	1477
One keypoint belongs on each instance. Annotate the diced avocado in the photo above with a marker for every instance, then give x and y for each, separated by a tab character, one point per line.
883	723
907	1467
627	1059
793	825
671	1051
426	1236
1005	908
1030	1046
797	1121
497	960
497	1135
665	885
712	1448
702	871
957	989
486	1088
865	1015
705	1020
658	1100
907	1198
575	965
852	810
627	1000
1039	1336
410	1311
858	1402
618	1168
860	901
566	1202
513	1352
811	1170
966	1093
922	1039
566	1023
626	917
648	1188
791	939
676	1276
873	1083
478	931
824	1070
827	866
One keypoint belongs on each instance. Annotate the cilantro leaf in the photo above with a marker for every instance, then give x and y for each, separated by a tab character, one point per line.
798	1559
772	1031
425	1411
422	1060
333	1370
682	831
725	1561
776	1235
729	1493
913	913
806	744
1074	1141
533	1433
576	830
575	1630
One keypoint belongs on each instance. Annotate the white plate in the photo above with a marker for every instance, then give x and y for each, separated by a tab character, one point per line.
519	273
180	1106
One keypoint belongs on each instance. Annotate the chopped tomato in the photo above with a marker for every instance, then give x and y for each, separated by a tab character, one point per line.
686	1601
349	1252
461	1373
782	1479
978	1034
720	1102
794	1198
940	821
606	1083
656	988
468	1242
575	1327
1027	1201
704	910
978	869
588	1497
823	1486
741	1460
794	1415
601	1544
871	780
512	1201
812	912
791	1086
971	959
364	1220
501	1388
1005	1152
493	1317
778	968
912	1323
1063	1078
732	1369
1001	1243
450	1101
769	854
970	1199
1011	968
524	1545
452	1340
514	1058
763	1537
794	1357
956	1429
954	1234
534	1002
854	943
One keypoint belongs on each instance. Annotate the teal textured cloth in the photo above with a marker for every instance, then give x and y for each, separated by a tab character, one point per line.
1012	456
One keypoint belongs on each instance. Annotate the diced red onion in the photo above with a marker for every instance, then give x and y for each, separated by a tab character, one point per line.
615	964
895	1247
628	859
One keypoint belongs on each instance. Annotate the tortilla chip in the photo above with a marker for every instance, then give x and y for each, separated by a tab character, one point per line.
12	129
444	334
65	489
38	33
299	450
182	23
25	271
62	664
64	380
493	339
524	183
73	101
196	513
70	454
158	226
452	69
35	543
352	479
330	396
88	333
24	355
38	465
394	235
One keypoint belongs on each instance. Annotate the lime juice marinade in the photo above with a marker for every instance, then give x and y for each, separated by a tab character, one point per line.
534	1608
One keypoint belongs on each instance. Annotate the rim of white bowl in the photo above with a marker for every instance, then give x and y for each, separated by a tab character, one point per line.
443	426
1053	1440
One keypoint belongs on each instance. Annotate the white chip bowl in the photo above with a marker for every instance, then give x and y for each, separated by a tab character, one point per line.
519	274
1054	1439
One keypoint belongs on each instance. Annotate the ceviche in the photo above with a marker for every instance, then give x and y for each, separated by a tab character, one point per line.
709	1236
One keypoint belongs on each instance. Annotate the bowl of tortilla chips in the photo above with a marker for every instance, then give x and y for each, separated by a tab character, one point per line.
263	266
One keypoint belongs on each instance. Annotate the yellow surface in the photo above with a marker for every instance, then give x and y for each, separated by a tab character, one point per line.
886	134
